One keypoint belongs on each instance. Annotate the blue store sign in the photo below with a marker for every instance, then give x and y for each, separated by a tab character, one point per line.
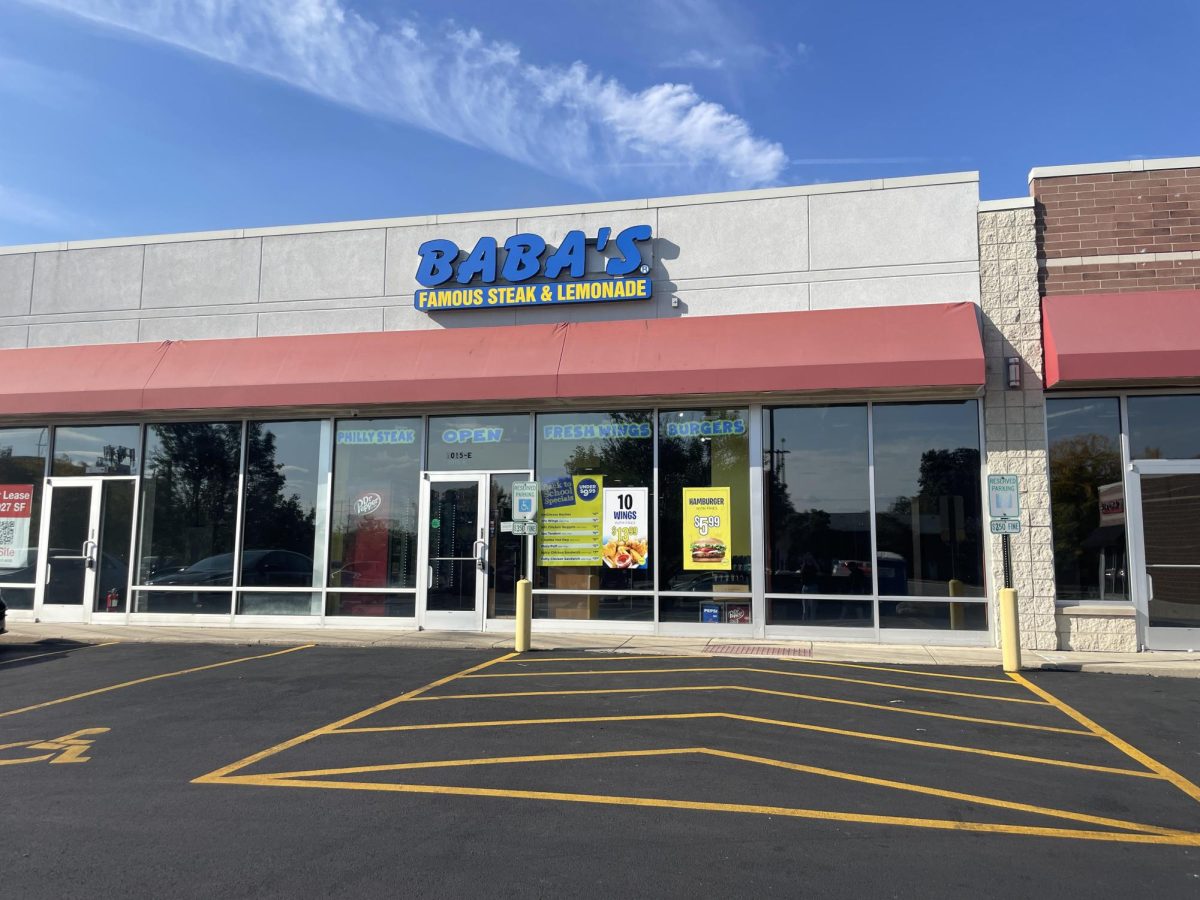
449	282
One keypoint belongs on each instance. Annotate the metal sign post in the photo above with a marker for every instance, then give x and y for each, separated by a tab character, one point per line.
1004	507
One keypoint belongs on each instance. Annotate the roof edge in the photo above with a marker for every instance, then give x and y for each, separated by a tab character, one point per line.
769	193
1128	165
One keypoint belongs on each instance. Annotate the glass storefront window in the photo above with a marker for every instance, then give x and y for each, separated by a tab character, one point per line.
1087	498
927	615
279	603
617	451
594	607
704	449
376	491
279	531
22	475
478	443
202	603
928	502
370	605
189	507
95	450
818	505
1165	427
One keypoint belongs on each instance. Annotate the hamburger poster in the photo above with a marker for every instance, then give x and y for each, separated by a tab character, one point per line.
706	528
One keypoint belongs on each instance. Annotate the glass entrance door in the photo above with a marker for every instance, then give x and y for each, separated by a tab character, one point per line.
469	565
1168	548
454	549
87	531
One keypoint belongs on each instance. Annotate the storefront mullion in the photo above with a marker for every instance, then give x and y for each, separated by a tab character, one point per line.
873	519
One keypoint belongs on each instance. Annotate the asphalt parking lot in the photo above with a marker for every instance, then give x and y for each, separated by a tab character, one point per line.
199	770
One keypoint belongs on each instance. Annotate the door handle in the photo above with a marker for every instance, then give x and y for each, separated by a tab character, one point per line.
480	549
89	553
1150	585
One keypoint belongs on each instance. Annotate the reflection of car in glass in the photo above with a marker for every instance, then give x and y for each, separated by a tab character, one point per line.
112	573
274	568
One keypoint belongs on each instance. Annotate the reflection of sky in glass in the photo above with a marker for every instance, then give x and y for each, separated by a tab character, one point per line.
84	445
297	448
24	441
905	432
819	455
1165	427
1068	418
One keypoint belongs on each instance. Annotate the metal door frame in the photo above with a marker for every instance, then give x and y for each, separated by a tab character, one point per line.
55	612
456	621
1152	638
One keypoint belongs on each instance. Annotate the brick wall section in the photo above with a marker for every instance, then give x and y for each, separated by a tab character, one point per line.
1014	421
1119	231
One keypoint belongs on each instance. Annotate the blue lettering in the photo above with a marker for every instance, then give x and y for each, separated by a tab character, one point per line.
571	252
482	261
631	254
524	255
437	262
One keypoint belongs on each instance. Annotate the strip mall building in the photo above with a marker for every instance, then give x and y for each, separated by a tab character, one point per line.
760	414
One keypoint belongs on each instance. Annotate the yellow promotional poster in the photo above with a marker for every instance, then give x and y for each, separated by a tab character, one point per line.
571	529
707	528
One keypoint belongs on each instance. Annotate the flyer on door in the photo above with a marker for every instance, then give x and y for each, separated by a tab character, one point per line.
626	528
706	529
572	509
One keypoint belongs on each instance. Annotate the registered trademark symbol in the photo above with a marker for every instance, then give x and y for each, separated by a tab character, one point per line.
644	269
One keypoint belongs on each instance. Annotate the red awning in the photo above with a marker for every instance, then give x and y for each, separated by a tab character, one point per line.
935	345
1119	338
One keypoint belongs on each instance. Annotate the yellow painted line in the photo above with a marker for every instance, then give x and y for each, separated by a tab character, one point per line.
1188	787
799	659
27	759
822	662
136	681
5	662
483	761
754	690
542	659
738	717
222	772
948	795
739	757
1182	839
755	670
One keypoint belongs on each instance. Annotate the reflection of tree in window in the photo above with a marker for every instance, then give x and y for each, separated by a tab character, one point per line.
948	495
1079	466
276	517
191	493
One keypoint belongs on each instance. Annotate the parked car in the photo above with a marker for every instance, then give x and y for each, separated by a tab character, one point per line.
260	568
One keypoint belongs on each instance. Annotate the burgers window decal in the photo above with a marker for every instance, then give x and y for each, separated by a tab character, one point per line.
706	528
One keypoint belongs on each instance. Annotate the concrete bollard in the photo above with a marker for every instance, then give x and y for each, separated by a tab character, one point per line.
524	615
1010	630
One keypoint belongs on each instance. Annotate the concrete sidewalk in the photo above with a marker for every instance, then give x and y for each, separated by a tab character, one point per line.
1179	665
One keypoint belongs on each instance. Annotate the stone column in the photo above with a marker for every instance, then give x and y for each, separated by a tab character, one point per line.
1015	420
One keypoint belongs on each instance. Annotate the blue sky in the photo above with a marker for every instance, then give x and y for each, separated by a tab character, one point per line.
142	116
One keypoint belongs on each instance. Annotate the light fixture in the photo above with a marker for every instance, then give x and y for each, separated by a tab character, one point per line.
1014	373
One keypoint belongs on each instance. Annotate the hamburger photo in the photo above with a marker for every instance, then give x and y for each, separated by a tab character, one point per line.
708	550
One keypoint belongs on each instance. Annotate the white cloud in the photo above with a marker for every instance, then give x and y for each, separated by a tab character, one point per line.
695	59
18	207
568	121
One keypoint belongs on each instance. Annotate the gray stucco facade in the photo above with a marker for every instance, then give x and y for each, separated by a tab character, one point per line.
883	242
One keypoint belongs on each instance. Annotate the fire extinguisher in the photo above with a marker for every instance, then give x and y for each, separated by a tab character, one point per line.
112	600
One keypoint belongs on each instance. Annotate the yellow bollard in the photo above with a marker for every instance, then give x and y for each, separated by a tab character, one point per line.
1010	630
524	615
958	614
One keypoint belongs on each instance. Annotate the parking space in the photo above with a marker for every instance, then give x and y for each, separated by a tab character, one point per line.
258	771
952	750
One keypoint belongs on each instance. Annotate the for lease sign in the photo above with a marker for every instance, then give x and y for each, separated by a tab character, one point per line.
16	508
